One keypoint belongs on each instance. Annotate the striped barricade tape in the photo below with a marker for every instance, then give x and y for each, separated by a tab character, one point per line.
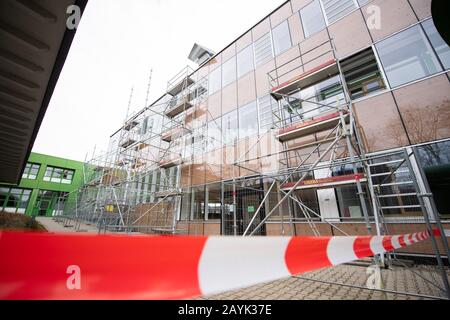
50	266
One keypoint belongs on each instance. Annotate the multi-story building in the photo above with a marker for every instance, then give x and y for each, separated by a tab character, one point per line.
47	182
326	117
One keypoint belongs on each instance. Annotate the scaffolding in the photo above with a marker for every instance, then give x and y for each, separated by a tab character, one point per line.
138	184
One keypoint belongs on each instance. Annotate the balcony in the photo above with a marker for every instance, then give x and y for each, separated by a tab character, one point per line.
180	106
326	182
311	126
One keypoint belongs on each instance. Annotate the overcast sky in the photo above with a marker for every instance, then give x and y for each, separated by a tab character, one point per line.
116	45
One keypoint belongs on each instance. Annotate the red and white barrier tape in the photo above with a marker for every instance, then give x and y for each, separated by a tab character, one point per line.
36	266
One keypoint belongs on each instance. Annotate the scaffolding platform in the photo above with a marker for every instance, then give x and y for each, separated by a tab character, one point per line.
169	135
167	194
165	164
128	142
302	129
180	85
326	182
130	125
306	79
181	106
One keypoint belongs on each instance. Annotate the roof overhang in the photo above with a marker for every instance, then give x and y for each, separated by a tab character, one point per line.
34	43
200	54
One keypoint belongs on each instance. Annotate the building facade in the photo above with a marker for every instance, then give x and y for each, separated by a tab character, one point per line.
246	139
47	182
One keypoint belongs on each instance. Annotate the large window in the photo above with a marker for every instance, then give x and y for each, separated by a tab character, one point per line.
281	38
441	48
14	200
336	9
407	56
248	120
215	81
230	127
362	74
229	72
31	171
245	61
267	106
263	49
312	18
58	175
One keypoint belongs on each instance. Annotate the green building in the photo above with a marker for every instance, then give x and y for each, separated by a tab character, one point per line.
47	182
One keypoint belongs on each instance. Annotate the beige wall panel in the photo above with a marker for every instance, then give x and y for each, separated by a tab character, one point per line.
275	229
212	229
196	229
215	62
314	41
229	157
261	29
198	171
215	106
201	115
246	89
380	123
350	34
213	166
262	78
289	64
425	108
295	25
229	98
281	14
229	52
244	41
248	151
299	4
422	8
395	15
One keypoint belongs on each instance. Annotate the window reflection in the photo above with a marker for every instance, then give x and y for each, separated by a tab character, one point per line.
407	56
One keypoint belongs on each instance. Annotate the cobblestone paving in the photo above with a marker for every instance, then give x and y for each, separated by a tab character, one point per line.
399	279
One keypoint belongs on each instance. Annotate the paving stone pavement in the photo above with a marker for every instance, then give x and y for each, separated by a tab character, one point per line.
400	279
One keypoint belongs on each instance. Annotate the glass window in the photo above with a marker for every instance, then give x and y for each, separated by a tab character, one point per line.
407	56
248	120
439	45
312	18
31	171
230	127
281	38
229	72
362	74
14	200
215	82
336	9
59	175
214	135
245	61
263	49
48	173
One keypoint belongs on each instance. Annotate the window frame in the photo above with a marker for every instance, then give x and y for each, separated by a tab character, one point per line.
274	47
28	169
53	179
